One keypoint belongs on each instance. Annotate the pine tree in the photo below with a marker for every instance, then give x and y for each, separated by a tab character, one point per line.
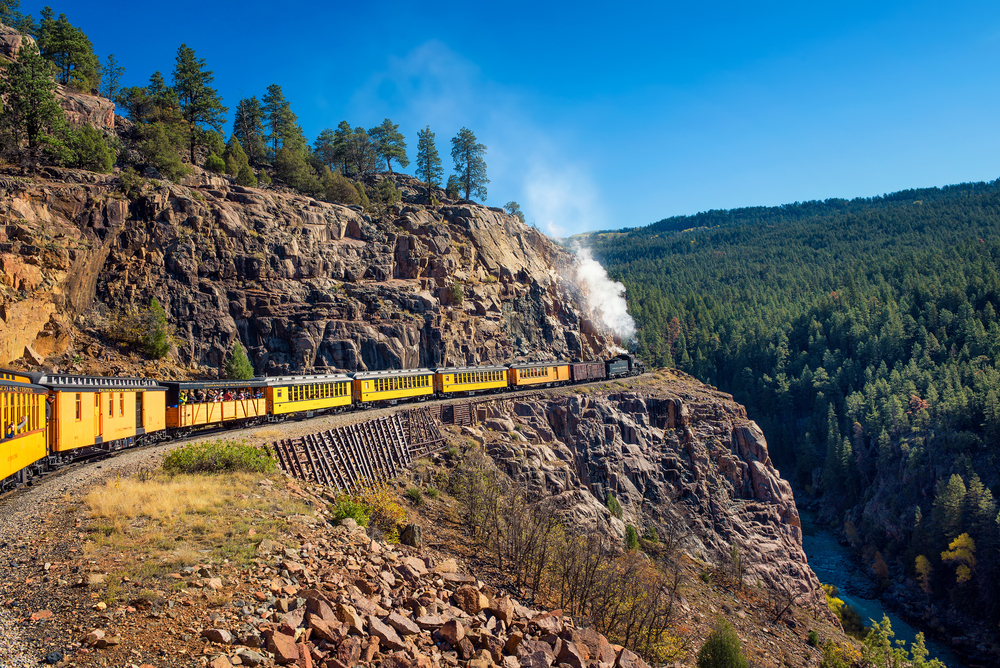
324	148
362	153
390	144
470	163
452	188
429	168
112	76
200	103
11	16
341	145
248	127
238	366
279	120
70	50
31	120
156	341
514	209
722	648
948	505
235	157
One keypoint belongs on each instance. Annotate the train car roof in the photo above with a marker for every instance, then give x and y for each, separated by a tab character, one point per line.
213	384
534	365
65	381
369	375
19	380
463	369
305	380
15	376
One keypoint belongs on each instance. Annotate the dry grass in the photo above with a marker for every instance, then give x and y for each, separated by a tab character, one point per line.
163	522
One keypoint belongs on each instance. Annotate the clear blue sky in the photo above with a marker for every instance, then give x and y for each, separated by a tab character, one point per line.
603	115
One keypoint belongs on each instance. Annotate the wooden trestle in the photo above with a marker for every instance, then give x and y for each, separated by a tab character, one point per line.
358	455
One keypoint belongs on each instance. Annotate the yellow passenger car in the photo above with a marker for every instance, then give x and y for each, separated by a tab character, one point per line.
391	386
539	373
23	442
214	402
307	394
101	413
470	379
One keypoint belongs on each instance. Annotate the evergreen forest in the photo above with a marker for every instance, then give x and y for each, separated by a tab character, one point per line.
863	337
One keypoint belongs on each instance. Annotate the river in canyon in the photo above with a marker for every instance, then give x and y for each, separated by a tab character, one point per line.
832	564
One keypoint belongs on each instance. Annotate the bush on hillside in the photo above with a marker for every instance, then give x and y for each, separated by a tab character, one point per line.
91	150
220	456
722	649
214	163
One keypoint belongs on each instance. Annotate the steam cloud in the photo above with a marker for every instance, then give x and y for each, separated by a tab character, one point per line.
605	298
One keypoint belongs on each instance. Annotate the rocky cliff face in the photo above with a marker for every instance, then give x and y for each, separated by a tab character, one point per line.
306	285
676	454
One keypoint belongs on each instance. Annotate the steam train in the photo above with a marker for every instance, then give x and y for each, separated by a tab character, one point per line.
47	420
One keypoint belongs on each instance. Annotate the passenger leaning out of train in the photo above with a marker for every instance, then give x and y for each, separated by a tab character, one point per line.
8	432
183	397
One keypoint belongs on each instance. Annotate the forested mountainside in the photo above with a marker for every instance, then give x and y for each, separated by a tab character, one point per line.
863	337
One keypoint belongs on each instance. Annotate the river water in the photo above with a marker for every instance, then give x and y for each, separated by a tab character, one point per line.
832	564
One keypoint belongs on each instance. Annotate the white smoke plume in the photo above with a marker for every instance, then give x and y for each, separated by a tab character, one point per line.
604	298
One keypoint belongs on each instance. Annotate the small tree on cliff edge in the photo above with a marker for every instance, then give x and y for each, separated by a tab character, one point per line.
722	649
470	163
238	366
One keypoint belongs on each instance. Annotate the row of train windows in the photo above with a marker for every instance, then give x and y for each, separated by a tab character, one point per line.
479	377
318	391
401	383
19	412
538	372
97	405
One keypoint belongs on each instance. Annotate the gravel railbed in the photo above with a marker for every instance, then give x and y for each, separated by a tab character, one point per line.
25	508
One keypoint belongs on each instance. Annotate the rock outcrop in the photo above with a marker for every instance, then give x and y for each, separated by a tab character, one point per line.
306	285
676	454
10	42
83	109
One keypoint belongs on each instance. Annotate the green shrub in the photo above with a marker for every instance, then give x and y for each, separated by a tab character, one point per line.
813	639
130	183
238	366
347	506
651	535
220	456
614	506
722	649
214	163
432	492
415	496
705	576
246	177
264	178
156	341
91	150
631	538
373	507
457	294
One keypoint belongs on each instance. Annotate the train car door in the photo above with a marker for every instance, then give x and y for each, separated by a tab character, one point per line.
99	413
139	424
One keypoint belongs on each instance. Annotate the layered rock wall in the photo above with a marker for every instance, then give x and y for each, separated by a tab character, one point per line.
304	284
675	454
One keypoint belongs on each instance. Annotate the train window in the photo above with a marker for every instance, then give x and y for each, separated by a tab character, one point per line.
79	406
121	404
111	405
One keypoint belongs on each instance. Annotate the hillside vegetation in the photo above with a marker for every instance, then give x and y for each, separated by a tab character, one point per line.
863	336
